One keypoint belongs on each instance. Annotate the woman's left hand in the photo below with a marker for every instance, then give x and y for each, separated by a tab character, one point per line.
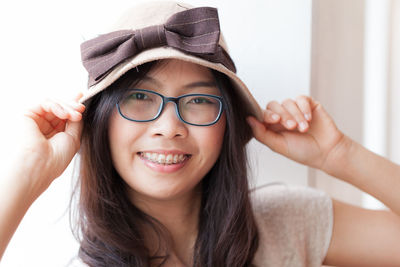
303	131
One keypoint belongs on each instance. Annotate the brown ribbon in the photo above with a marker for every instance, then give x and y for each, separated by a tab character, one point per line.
195	31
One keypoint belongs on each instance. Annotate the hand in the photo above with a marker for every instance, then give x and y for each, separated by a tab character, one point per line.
303	131
49	140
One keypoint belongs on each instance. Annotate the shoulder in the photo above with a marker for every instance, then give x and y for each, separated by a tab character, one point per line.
294	222
279	198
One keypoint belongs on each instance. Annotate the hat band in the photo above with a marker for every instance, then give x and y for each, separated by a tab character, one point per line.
195	31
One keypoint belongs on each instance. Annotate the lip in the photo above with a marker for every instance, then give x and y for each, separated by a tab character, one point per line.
164	168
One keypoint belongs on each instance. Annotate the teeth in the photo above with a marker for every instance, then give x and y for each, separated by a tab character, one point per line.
163	159
168	159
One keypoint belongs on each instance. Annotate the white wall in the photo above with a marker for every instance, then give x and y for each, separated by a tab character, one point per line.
394	84
355	66
337	78
269	41
376	121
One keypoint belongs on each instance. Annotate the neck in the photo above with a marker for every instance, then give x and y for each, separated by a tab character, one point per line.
179	215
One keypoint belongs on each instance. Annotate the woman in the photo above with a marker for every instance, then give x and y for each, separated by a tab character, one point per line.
165	183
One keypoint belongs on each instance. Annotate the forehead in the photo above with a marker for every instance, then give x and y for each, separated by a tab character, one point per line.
175	70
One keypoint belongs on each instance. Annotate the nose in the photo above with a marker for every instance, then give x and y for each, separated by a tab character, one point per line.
168	124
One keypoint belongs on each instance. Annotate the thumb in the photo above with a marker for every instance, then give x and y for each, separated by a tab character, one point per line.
275	141
74	129
78	97
65	145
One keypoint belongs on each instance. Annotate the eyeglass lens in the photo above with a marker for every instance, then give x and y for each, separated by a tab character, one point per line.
196	109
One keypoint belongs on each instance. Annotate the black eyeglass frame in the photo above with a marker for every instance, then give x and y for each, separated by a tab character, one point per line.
175	100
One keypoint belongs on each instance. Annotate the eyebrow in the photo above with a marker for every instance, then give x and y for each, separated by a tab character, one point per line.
210	84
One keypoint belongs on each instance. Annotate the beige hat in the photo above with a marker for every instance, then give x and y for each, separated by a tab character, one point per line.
160	30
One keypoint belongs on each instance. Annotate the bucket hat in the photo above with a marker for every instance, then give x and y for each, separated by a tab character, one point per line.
155	31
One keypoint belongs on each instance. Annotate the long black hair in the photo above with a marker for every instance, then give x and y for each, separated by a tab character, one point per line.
110	226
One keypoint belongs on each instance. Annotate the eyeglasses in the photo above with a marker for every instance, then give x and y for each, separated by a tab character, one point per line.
141	105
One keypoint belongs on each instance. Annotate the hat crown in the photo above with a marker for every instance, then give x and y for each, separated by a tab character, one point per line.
143	16
152	13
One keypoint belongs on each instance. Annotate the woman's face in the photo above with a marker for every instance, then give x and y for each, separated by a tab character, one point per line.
135	145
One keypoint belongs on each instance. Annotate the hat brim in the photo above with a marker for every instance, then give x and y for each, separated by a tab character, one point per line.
171	53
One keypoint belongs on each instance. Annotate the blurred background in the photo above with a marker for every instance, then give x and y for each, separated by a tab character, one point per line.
344	53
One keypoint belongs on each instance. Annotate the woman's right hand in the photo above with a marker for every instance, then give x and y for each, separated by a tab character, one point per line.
49	140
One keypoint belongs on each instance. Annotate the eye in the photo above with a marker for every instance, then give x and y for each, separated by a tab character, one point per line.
200	100
138	96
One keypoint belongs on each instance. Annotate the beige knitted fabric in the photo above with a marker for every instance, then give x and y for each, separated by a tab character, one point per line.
295	225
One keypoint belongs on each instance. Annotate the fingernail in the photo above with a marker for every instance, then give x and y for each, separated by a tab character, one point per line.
307	116
76	104
303	125
275	117
62	110
290	123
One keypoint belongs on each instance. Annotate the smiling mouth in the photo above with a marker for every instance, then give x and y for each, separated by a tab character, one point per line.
164	159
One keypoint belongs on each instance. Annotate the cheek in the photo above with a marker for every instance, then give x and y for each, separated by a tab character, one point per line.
116	134
122	135
219	131
210	139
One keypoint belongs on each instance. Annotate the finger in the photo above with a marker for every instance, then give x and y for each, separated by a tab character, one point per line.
52	110
304	104
74	128
294	110
48	116
41	110
71	110
271	139
44	126
66	144
270	117
54	117
287	120
72	104
73	114
75	104
59	127
77	97
314	104
51	116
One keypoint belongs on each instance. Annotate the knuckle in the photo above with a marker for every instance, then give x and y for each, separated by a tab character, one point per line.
302	98
272	104
299	117
287	101
268	112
